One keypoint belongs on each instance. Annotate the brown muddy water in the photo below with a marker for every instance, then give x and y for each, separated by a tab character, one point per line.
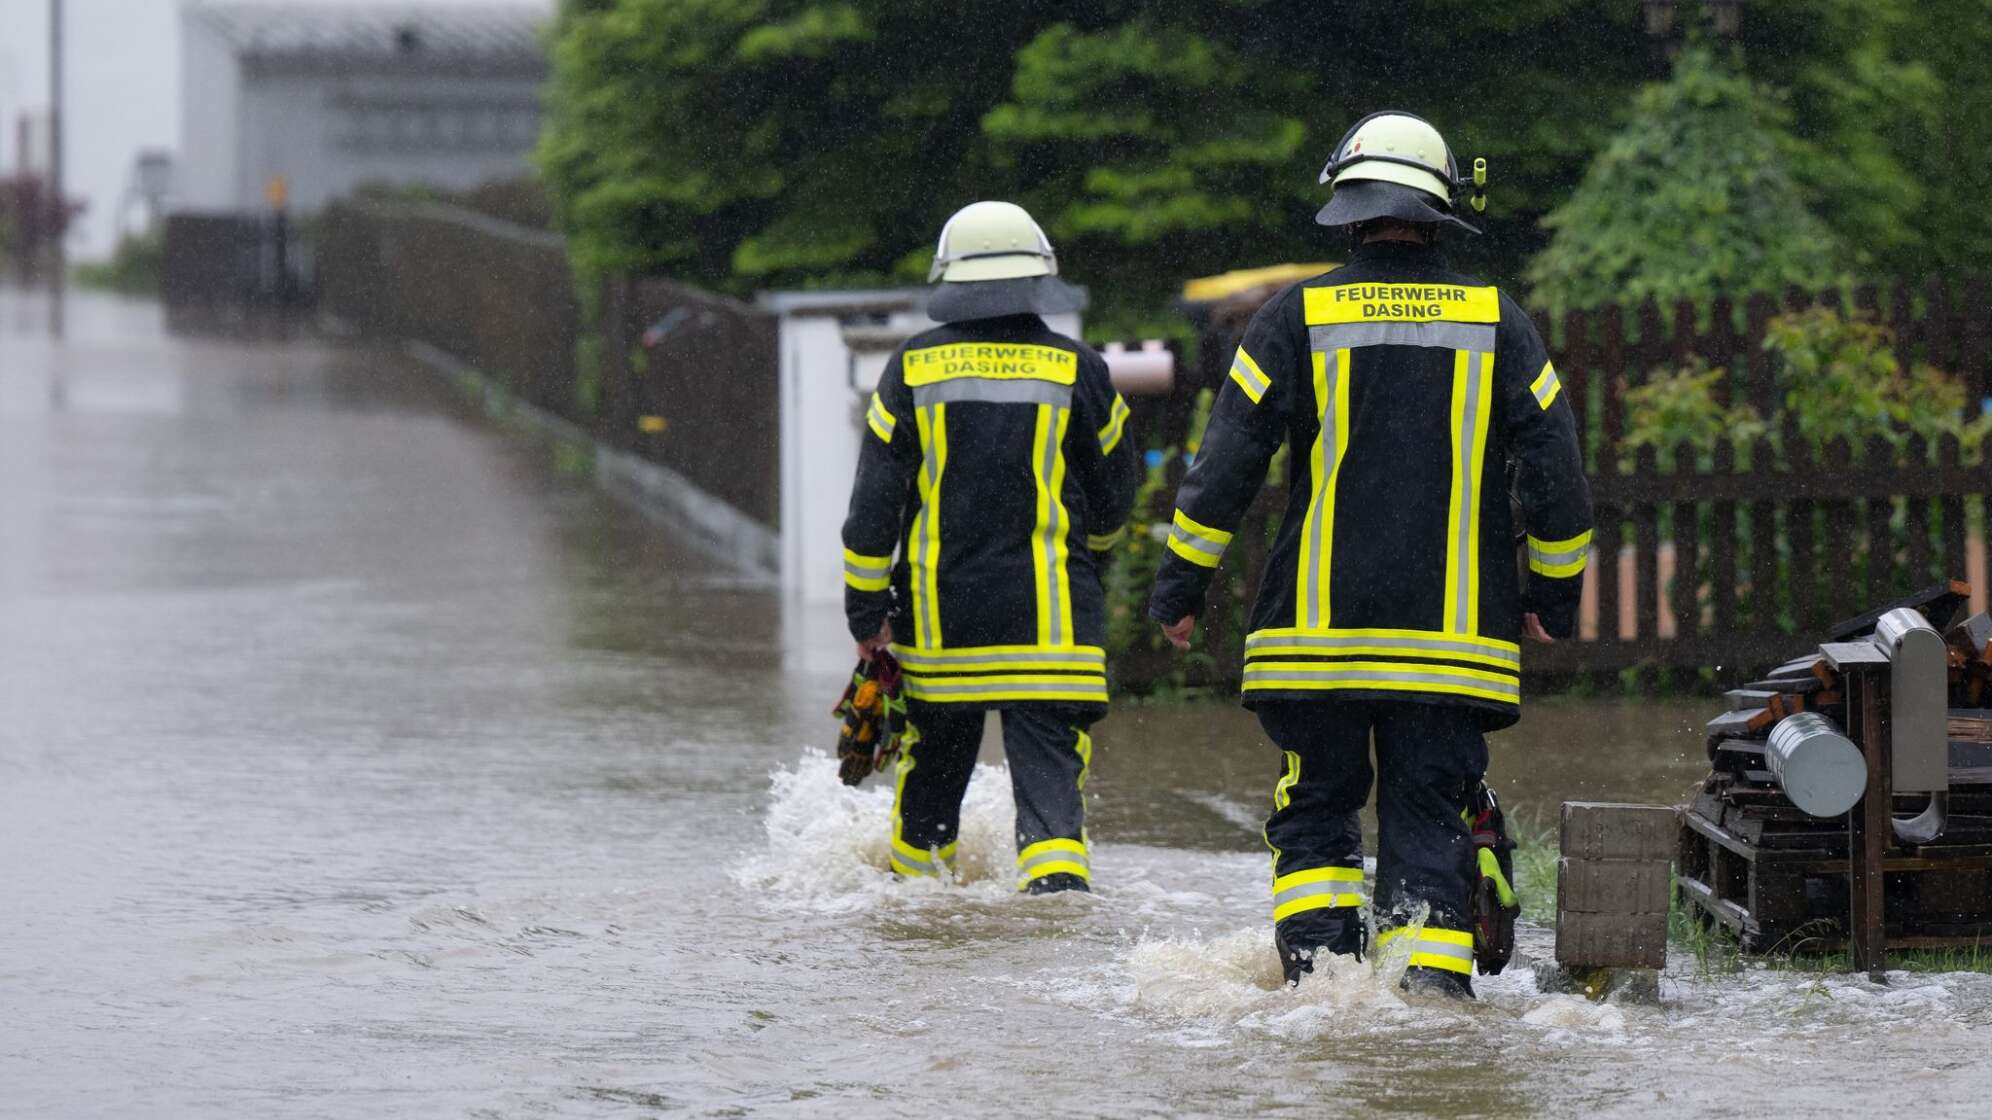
355	763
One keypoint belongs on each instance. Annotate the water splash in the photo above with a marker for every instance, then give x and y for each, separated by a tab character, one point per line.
829	845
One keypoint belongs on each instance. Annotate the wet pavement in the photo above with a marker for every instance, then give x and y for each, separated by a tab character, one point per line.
357	760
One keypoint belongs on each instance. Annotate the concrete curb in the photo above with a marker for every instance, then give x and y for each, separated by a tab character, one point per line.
708	524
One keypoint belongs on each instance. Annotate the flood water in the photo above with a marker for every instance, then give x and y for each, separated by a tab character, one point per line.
356	762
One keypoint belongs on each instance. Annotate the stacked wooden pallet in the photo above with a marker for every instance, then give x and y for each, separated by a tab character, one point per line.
1753	860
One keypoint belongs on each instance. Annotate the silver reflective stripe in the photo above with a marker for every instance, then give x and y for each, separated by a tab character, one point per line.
918	863
880	416
1196	543
1258	382
1545	387
1028	869
1317	513
1309	890
863	572
1444	336
1463	542
1053	522
1443	949
990	390
1079	686
1434	646
1568	556
927	620
1328	673
1082	660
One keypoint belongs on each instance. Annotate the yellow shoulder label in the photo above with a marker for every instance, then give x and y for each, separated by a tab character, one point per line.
1401	303
1008	361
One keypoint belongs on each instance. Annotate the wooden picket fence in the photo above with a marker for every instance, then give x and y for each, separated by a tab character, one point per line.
1719	564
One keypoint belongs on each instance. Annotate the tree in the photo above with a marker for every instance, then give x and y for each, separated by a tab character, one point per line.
1695	195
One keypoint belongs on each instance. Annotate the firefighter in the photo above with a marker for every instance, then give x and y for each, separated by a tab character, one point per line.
995	477
1390	610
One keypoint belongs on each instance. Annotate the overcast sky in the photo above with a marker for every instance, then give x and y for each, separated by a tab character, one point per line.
123	85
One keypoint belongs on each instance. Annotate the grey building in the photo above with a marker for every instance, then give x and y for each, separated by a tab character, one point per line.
335	96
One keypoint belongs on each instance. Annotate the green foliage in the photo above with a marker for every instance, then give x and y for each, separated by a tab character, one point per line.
1694	196
136	267
1839	378
1842	380
1684	410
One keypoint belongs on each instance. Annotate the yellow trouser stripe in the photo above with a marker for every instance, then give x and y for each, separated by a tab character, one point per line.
1282	797
1317	539
926	535
1059	855
1449	949
1470	408
1316	888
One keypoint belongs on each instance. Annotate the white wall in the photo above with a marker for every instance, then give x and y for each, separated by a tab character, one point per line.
204	175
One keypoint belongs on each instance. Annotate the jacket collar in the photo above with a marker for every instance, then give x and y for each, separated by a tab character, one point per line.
1400	252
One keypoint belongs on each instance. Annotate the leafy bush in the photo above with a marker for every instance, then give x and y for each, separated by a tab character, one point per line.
1840	379
1693	196
1682	410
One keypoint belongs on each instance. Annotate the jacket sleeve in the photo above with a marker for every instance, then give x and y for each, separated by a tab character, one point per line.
1248	423
1106	461
888	459
1549	473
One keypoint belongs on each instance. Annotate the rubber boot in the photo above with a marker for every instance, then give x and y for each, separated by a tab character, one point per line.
1295	960
1437	982
1056	882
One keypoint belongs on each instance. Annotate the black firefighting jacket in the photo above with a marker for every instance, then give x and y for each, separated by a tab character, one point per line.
997	468
1405	392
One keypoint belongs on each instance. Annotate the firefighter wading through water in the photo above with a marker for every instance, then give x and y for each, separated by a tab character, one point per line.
996	469
1390	609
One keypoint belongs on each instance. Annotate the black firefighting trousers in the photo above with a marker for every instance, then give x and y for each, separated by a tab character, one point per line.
1429	759
1049	752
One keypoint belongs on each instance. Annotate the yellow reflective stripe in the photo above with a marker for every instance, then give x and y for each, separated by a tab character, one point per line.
1546	386
1056	844
1400	303
1316	899
1560	559
959	658
1449	949
1051	552
1249	376
1290	642
1056	856
1387	676
925	538
867	573
1083	747
1316	888
1318	875
1075	687
1101	542
900	847
882	422
1470	408
1196	542
1110	435
1317	537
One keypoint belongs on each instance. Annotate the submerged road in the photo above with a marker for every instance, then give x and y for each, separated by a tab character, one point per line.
355	761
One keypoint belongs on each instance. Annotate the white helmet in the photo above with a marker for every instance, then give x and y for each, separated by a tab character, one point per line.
1395	164
992	241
